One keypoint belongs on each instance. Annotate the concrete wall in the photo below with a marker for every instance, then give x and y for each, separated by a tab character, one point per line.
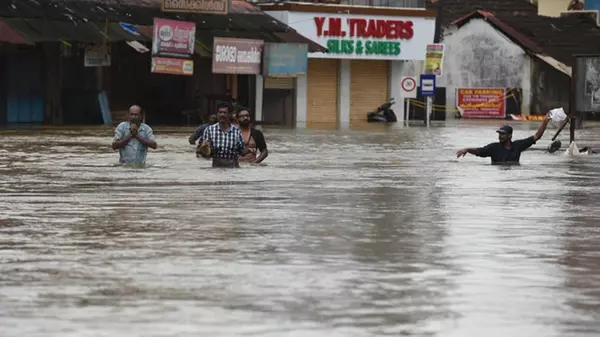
479	56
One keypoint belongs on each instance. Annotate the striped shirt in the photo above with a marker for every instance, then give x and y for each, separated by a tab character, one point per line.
224	144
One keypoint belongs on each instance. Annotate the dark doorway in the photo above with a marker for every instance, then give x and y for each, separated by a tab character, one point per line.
278	107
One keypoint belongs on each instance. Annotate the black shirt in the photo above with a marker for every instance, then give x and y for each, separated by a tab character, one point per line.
502	155
259	139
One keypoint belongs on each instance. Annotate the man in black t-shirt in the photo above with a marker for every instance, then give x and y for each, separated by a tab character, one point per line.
254	140
505	151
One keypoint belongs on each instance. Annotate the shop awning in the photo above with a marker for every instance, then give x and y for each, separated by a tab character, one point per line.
9	35
39	30
75	20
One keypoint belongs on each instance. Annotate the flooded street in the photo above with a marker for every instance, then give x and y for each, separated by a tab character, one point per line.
344	233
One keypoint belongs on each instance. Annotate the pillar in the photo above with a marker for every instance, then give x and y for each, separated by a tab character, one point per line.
258	103
526	87
395	89
301	101
344	93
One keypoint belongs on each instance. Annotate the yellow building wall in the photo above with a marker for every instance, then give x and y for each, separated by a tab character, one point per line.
552	7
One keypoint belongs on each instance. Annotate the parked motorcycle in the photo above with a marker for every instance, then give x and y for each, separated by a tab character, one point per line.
384	114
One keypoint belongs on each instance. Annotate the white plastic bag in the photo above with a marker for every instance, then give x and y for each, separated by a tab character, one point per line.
557	115
573	150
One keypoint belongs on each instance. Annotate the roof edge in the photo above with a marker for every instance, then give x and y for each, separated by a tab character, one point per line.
554	63
510	32
346	9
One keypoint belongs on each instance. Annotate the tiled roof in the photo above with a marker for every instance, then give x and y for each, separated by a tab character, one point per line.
559	37
75	20
451	10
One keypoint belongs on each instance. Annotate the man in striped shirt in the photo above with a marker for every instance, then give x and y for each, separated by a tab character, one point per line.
225	140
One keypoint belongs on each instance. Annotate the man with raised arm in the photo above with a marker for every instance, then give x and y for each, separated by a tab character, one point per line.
506	151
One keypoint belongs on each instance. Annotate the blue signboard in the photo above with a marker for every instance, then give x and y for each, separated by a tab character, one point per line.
592	5
285	59
427	85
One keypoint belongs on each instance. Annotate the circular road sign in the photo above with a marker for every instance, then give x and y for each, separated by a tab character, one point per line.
408	84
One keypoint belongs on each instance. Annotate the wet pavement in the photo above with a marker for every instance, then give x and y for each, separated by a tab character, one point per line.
344	233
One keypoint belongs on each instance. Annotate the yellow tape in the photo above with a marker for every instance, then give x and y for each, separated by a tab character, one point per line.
446	108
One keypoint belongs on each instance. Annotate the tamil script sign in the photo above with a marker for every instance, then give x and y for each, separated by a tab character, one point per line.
197	6
285	59
237	56
481	102
173	38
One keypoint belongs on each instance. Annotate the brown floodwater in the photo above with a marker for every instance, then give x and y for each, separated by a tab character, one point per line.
372	232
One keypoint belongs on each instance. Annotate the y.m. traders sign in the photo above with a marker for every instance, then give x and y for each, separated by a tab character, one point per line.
350	36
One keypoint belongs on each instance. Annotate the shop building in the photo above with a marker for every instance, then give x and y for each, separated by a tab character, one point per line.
367	50
54	68
508	46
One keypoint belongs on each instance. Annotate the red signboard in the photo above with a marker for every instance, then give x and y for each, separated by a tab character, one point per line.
481	102
171	66
173	38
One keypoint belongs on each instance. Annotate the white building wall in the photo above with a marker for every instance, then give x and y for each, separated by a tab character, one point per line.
479	56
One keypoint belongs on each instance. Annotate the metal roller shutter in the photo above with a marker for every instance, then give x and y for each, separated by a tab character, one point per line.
322	91
279	83
369	88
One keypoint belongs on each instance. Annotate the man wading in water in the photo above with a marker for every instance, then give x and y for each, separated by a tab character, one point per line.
506	151
224	141
253	139
133	138
212	119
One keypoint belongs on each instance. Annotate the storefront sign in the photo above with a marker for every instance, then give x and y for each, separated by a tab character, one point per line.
481	102
237	56
434	59
197	6
173	38
161	65
285	59
96	56
353	36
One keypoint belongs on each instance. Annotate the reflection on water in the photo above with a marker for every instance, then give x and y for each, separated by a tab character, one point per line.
367	232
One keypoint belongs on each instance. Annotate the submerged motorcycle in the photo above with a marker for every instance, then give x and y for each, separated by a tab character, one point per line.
384	114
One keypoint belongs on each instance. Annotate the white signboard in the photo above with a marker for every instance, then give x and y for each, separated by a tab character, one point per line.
428	85
96	56
363	37
408	85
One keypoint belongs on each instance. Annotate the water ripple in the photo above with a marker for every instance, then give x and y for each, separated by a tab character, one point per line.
342	233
